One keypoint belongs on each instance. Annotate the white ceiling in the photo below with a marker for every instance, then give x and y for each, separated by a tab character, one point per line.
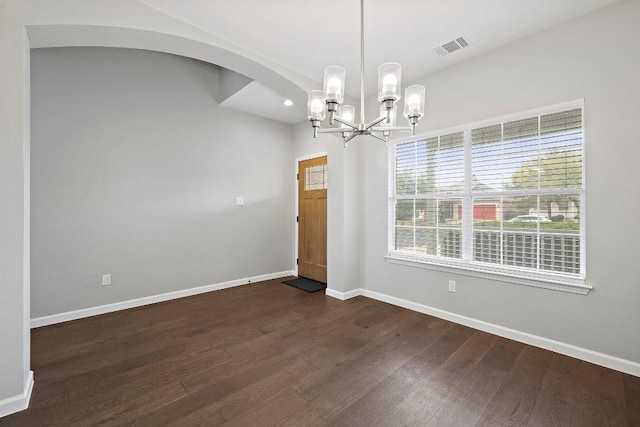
305	36
258	99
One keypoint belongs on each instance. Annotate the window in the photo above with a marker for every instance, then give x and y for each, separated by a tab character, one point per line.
315	177
504	199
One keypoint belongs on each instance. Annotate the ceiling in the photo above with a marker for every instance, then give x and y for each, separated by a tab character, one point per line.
305	36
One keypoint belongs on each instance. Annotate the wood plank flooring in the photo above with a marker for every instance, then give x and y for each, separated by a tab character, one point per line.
269	354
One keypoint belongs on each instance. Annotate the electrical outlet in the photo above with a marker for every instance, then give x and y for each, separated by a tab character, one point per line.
106	279
452	285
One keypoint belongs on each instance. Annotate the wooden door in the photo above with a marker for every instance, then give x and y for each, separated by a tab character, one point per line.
312	219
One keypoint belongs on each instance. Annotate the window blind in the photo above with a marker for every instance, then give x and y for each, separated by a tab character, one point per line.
507	195
427	208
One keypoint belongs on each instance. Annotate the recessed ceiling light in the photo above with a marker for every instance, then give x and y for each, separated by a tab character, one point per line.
288	102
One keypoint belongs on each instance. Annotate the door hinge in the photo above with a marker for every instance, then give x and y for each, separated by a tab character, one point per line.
298	176
297	219
296	261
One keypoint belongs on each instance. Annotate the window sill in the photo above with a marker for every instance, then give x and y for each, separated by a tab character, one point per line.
575	286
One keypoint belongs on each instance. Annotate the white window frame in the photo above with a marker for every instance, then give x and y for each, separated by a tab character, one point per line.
466	266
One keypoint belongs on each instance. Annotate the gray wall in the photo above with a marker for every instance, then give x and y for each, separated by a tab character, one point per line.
135	169
595	58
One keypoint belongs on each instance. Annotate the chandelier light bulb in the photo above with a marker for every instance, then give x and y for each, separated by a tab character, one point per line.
334	77
333	89
389	85
389	82
414	102
348	113
315	106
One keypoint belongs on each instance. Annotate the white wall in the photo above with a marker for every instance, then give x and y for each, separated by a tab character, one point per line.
14	208
595	58
135	169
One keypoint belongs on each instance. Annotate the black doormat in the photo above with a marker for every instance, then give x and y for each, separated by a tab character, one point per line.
306	284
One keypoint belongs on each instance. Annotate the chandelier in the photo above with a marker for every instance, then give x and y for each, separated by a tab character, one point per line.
389	90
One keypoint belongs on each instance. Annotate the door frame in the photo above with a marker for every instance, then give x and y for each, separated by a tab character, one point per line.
296	207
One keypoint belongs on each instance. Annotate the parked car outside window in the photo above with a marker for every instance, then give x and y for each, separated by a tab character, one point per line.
530	218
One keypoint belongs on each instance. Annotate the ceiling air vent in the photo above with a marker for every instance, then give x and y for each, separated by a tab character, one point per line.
452	46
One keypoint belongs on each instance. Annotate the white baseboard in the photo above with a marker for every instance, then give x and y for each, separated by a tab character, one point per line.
343	295
20	402
612	362
108	308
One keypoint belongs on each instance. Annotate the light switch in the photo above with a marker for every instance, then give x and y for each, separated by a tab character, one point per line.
239	201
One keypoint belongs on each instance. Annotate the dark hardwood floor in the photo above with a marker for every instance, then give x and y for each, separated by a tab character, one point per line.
269	354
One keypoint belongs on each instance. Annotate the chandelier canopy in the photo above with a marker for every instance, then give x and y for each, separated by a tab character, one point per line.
329	101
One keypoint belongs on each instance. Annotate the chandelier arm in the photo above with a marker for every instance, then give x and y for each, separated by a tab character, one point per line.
346	122
330	130
350	137
376	121
394	129
379	137
362	61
